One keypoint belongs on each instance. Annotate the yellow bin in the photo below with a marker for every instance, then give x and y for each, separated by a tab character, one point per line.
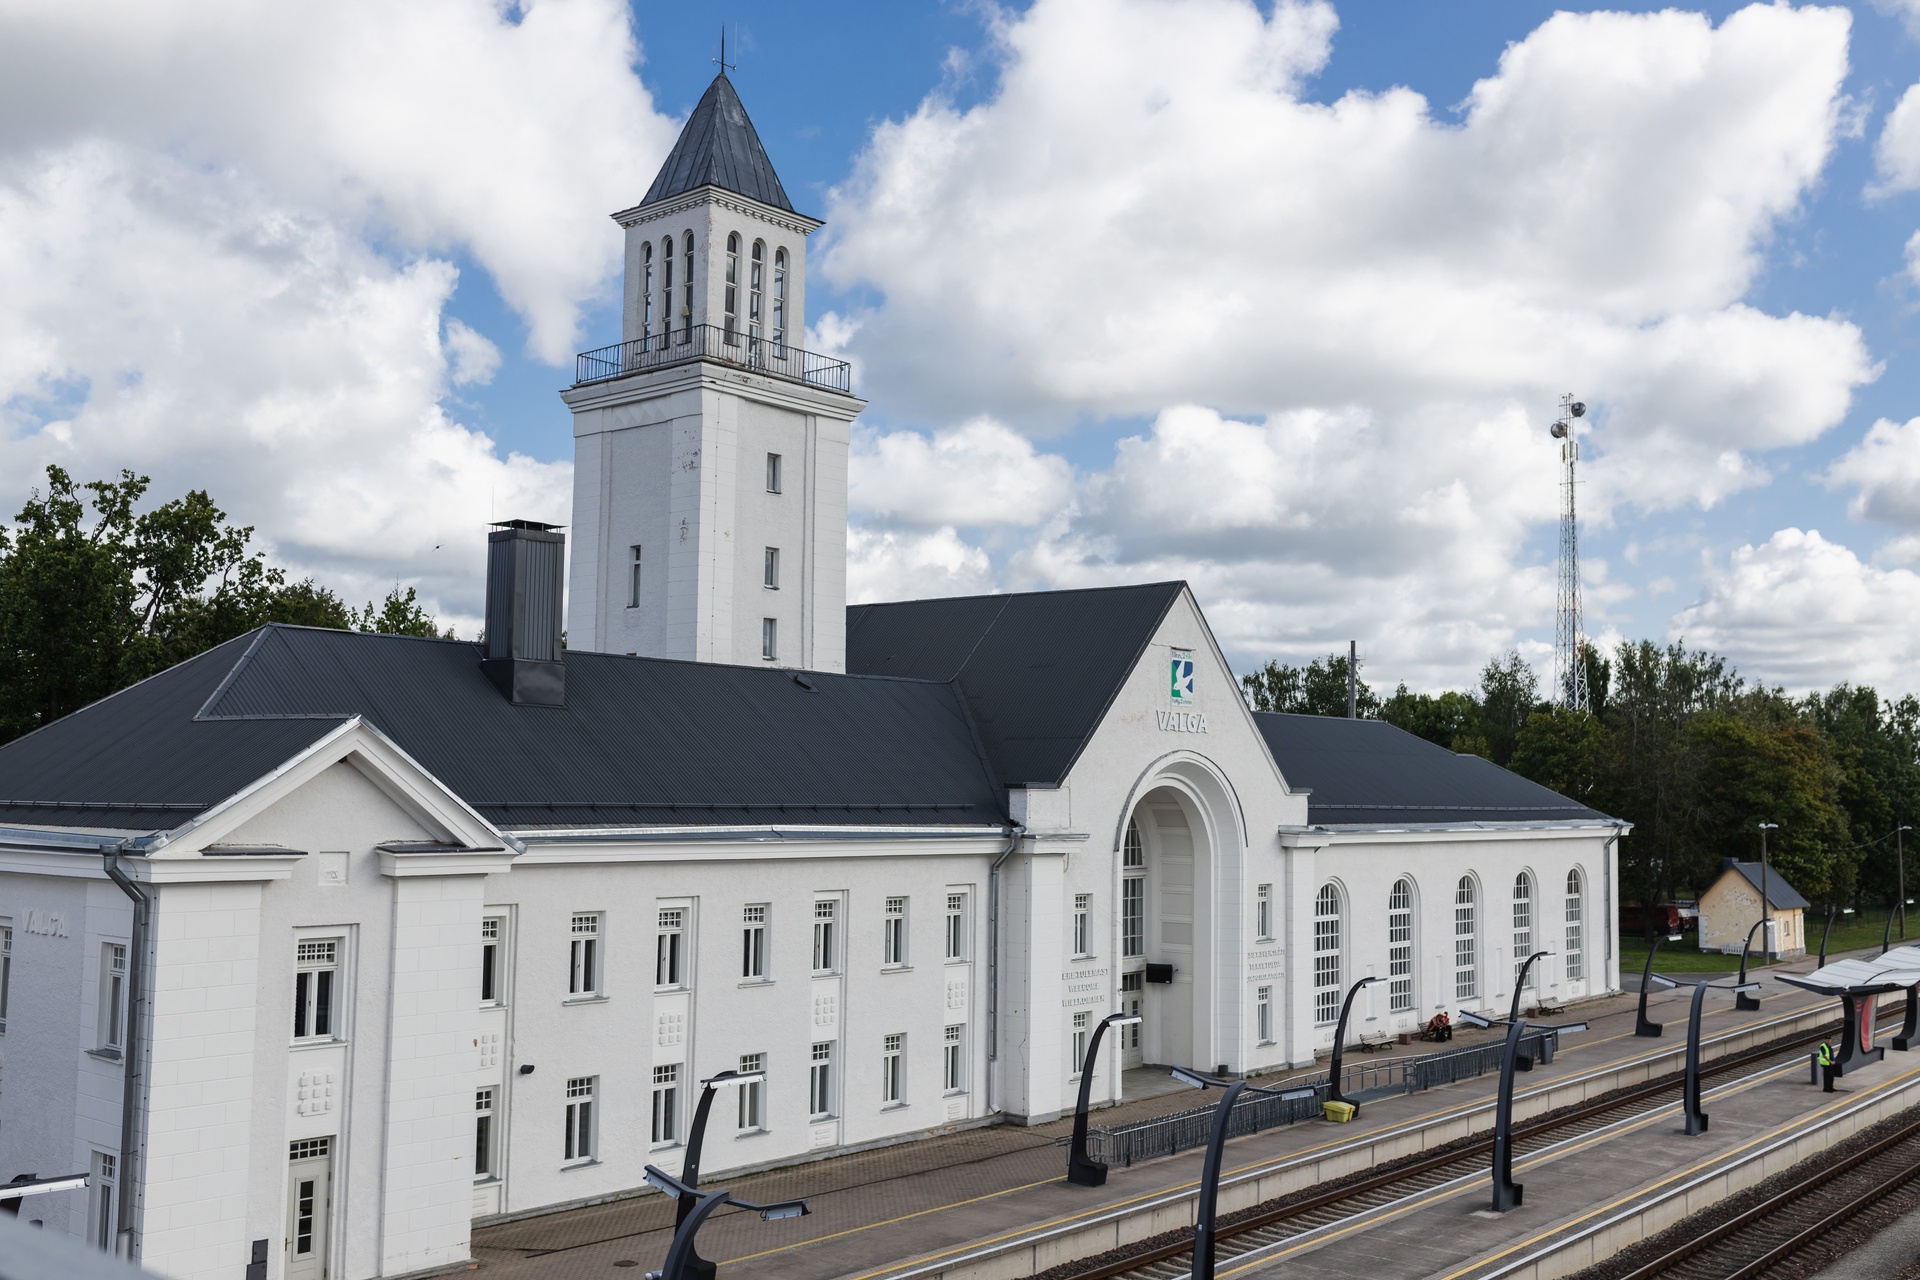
1339	1112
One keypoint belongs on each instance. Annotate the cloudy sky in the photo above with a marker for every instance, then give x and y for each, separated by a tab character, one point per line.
1278	298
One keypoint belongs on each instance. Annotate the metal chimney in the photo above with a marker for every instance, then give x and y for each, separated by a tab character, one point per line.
526	571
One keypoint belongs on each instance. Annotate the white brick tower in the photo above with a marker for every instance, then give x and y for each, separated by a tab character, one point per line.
710	452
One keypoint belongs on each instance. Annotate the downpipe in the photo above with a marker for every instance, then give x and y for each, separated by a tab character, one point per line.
993	963
133	1072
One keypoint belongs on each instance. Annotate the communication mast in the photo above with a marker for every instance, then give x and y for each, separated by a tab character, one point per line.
1569	640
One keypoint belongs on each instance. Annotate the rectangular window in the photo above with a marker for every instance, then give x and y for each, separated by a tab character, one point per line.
1133	916
6	969
483	1149
820	1081
583	977
770	639
633	580
824	913
1082	934
773	473
316	972
1576	958
666	1104
753	941
1081	1022
953	1073
102	1206
956	926
113	992
770	570
1263	1014
580	1144
893	933
1132	989
669	953
492	937
752	1101
893	1073
1263	912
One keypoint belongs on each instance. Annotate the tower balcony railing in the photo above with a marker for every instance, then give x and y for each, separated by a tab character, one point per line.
722	346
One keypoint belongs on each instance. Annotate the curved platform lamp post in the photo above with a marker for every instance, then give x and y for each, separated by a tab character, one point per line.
1743	1000
1520	984
694	1266
1205	1210
681	1259
1340	1045
1082	1169
1828	932
1507	1193
1643	1025
1690	1091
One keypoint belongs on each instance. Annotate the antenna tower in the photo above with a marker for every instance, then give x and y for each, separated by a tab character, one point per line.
1569	640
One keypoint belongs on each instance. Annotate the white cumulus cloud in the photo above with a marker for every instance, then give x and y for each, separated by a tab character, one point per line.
980	473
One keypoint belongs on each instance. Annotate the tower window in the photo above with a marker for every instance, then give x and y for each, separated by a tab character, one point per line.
773	473
646	293
771	576
754	286
733	283
770	639
779	302
686	290
666	289
633	580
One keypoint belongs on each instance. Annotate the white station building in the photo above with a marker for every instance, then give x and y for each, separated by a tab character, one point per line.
321	946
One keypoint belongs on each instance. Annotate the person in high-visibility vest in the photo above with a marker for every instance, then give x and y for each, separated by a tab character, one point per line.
1823	1056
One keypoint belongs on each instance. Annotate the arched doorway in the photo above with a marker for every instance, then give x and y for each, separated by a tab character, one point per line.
1166	905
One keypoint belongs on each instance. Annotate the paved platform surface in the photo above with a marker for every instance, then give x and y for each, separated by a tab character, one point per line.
874	1210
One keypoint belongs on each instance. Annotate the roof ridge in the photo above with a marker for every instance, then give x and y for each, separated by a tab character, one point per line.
1009	595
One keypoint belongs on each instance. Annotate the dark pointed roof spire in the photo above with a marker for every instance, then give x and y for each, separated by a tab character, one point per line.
719	148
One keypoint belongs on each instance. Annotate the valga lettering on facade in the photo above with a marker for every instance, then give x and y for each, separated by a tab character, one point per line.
1182	721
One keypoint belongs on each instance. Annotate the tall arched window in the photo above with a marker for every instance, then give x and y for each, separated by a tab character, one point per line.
779	302
1522	921
1133	894
1326	955
1466	948
733	282
1400	947
686	290
1576	956
666	289
646	293
756	284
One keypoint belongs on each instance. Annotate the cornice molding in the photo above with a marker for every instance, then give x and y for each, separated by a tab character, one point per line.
798	223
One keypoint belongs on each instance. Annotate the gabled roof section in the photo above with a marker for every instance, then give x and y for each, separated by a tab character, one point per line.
641	742
1038	669
1784	896
719	148
1371	773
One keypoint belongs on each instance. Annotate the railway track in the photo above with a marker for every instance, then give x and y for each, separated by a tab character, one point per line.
1263	1228
1755	1239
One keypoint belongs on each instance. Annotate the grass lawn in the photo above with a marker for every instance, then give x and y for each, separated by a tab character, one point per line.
1850	933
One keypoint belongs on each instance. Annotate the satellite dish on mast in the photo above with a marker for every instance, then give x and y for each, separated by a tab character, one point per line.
1559	430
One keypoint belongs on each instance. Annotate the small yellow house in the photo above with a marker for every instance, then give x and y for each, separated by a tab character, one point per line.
1731	907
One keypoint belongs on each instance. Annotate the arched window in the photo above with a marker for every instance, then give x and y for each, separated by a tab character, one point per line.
1576	957
755	286
646	293
1466	949
686	290
666	289
1400	947
779	302
1133	894
1326	955
733	282
1522	921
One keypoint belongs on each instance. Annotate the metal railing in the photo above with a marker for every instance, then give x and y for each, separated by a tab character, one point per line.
722	346
1177	1131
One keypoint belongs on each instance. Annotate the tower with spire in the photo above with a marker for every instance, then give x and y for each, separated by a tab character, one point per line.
710	449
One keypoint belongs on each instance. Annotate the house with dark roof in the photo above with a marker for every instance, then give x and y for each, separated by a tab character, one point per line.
1730	912
384	936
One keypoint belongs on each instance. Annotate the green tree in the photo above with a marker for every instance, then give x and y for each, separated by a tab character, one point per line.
1571	752
1450	719
400	615
1317	689
1751	773
1509	693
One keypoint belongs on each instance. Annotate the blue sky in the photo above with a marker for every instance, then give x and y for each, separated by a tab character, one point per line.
434	245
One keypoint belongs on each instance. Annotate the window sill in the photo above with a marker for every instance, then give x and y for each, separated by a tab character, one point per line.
584	1000
826	1119
895	1106
826	973
317	1043
751	1133
579	1164
896	968
105	1055
954	1093
487	1180
664	1146
756	982
679	989
956	960
1084	955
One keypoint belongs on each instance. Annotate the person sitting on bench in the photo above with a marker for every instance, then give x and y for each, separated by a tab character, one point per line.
1440	1027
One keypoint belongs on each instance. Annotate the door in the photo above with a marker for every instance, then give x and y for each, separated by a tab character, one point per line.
309	1207
1130	991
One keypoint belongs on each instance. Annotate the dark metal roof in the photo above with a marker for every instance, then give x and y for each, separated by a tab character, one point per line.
719	148
1783	895
640	741
1370	773
1038	669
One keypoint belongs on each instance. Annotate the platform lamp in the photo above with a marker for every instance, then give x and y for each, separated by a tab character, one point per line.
681	1259
1766	902
1520	983
1205	1210
1507	1193
1744	1000
1340	1045
1082	1169
1828	931
1643	1025
1690	1092
696	1267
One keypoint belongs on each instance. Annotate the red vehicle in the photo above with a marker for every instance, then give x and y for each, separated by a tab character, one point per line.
1667	917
